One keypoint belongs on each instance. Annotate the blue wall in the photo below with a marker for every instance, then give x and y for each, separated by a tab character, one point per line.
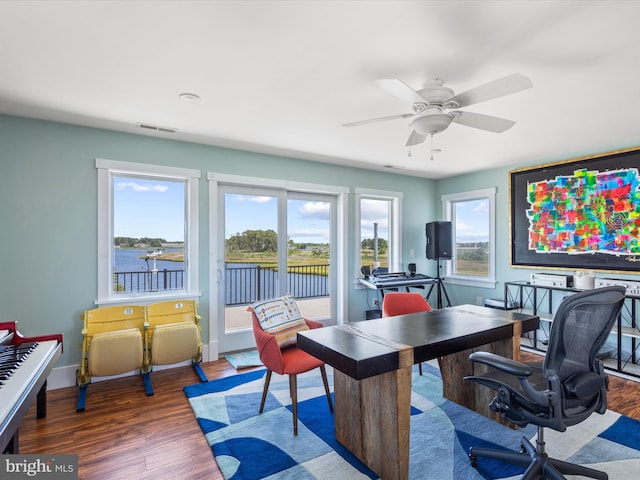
499	178
48	208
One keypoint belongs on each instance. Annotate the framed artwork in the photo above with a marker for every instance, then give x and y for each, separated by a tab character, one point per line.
578	214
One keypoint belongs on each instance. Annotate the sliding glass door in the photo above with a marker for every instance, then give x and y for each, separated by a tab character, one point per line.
309	253
275	242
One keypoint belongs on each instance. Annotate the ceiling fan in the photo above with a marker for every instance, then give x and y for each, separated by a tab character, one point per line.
434	106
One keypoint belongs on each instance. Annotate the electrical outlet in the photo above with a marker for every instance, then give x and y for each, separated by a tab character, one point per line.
412	253
479	300
375	303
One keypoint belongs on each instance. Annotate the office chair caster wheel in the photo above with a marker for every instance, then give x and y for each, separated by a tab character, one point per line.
473	460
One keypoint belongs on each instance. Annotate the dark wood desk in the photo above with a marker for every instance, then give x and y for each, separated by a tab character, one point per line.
372	363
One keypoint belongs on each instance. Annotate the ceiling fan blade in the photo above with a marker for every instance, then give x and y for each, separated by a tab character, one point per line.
400	90
498	88
483	122
415	138
375	120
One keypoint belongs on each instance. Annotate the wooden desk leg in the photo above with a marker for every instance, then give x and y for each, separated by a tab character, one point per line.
517	334
372	419
470	394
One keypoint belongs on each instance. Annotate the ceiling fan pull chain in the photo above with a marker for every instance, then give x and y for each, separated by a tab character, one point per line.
431	157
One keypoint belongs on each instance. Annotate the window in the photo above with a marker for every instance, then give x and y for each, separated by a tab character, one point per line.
378	238
147	231
472	215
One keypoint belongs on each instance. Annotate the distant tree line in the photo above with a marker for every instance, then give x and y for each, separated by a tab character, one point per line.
253	241
474	252
130	242
367	244
260	241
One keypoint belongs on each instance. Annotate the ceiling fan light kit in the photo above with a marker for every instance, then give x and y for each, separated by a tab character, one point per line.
432	106
430	123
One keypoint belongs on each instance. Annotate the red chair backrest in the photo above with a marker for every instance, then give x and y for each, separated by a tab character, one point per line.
269	350
401	303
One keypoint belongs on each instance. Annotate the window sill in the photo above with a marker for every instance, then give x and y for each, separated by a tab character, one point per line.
471	282
146	298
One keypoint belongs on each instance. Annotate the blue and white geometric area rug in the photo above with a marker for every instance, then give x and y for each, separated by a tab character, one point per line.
247	445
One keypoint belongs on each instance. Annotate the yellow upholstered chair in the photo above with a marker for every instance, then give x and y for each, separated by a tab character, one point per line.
173	334
112	344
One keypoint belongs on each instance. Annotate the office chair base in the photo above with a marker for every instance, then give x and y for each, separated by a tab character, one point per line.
538	465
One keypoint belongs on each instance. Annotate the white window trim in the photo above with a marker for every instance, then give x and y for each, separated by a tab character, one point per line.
106	170
395	228
447	213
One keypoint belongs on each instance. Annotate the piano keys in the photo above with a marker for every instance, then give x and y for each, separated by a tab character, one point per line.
25	364
393	281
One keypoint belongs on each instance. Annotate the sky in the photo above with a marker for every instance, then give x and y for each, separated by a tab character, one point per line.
472	221
155	209
307	221
150	208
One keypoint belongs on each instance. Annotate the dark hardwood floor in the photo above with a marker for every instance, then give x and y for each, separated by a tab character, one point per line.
123	434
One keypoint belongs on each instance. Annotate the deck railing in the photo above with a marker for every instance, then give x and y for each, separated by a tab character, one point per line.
245	284
250	284
148	281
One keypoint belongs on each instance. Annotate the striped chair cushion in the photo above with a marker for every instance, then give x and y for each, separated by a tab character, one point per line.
280	317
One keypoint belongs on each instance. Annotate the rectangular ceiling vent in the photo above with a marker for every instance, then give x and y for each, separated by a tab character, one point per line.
157	128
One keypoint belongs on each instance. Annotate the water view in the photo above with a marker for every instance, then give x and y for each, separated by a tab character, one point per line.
141	270
133	260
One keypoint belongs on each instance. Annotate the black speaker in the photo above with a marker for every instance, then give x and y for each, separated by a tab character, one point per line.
438	240
412	269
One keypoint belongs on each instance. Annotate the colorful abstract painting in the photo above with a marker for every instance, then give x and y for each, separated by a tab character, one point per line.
585	213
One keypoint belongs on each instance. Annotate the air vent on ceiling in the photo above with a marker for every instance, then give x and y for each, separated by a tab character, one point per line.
157	128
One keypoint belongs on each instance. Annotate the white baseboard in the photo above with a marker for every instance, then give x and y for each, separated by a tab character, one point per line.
212	349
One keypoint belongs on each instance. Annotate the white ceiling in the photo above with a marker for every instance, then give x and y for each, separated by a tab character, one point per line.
281	77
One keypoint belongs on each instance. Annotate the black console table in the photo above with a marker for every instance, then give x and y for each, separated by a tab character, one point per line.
543	300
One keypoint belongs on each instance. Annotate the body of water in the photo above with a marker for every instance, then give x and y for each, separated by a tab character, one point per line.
129	260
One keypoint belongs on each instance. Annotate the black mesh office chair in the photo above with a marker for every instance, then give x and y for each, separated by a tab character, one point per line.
560	392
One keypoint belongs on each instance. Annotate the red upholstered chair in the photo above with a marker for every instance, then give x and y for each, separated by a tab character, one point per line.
402	303
290	361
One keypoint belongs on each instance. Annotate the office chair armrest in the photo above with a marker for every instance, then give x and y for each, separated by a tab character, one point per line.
503	364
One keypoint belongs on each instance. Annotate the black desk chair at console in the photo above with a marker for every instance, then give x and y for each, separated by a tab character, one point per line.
560	392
